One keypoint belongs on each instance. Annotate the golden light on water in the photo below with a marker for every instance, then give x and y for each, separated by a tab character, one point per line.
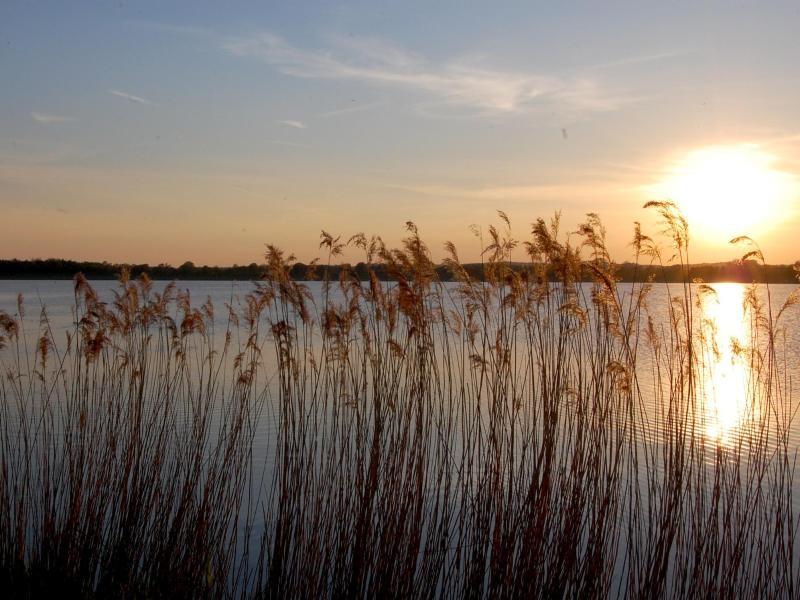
725	381
725	191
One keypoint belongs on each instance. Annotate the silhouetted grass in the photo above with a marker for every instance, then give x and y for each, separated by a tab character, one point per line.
519	435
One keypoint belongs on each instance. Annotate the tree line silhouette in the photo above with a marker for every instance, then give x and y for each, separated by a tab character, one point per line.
52	268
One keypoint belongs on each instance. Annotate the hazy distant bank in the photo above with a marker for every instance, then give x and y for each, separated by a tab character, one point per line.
732	271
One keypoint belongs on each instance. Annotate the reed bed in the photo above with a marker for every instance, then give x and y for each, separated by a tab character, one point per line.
522	435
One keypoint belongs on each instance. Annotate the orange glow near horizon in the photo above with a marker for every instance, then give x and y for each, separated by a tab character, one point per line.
726	191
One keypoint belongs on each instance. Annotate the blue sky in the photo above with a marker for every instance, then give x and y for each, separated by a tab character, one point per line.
164	132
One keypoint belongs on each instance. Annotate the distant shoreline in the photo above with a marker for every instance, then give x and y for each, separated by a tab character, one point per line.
732	271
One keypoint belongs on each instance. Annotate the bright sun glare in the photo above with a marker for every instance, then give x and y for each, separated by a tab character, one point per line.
725	381
725	191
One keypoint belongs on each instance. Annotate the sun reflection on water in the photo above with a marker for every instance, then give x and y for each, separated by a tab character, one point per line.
725	384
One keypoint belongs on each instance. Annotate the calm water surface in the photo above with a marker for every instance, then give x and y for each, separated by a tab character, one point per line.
724	413
727	410
722	314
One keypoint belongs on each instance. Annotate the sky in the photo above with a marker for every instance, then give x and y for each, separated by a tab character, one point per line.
163	132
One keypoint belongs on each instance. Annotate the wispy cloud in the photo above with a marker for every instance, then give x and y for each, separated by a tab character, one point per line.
639	60
292	123
778	139
47	118
379	63
350	109
131	97
546	191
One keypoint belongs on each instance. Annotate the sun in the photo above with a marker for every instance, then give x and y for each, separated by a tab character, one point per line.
726	191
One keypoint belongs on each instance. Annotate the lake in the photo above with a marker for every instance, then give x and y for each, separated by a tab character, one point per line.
724	313
486	398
